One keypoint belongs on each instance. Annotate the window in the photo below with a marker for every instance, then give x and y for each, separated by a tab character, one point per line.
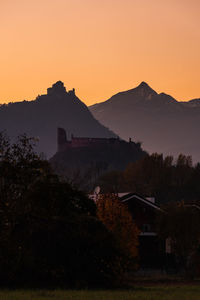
146	228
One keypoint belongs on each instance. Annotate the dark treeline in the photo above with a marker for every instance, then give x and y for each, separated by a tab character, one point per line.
50	234
164	178
178	225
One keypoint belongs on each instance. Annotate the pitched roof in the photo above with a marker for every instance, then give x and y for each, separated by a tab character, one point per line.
132	196
192	205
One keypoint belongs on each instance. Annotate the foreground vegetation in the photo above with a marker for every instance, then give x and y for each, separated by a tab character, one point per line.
50	233
142	293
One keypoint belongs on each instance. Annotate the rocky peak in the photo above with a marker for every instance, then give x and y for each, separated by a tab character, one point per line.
57	88
144	90
143	84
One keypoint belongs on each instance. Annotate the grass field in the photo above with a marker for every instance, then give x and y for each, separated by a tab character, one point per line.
140	293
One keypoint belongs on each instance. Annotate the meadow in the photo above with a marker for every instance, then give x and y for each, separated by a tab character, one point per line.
181	292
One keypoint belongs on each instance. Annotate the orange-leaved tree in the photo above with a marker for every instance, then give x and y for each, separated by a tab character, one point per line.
118	220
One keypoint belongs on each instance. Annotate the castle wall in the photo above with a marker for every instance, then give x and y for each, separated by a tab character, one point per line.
77	142
80	142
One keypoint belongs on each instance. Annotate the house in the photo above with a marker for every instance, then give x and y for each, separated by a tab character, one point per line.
152	250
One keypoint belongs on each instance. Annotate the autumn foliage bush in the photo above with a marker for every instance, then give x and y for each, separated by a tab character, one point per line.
118	220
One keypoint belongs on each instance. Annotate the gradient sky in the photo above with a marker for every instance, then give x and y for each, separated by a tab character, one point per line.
99	47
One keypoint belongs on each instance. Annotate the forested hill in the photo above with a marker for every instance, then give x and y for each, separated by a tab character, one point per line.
41	117
161	123
84	165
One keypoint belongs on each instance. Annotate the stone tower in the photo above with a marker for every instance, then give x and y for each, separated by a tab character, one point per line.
61	139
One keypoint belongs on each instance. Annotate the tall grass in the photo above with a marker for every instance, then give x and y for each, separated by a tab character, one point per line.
140	293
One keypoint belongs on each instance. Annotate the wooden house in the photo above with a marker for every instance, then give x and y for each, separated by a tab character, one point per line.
152	250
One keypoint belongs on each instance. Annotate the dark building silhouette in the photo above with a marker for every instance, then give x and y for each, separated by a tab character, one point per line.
84	159
81	142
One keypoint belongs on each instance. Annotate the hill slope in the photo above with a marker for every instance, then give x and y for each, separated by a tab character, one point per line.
158	120
84	160
41	117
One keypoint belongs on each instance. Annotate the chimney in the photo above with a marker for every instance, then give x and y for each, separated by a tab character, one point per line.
151	199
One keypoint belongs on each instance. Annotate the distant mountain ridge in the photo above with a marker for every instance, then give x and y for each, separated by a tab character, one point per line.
192	103
159	121
41	117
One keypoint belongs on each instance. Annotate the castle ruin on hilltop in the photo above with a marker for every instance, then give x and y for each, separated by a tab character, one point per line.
81	142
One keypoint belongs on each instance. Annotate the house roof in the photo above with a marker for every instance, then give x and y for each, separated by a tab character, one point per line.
132	196
193	205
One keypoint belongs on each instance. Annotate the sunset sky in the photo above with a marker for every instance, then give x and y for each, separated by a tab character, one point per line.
99	47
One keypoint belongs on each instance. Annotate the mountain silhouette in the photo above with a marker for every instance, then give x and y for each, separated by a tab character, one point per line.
41	117
159	121
192	103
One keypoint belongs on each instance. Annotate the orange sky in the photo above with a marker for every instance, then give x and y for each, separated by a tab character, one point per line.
99	47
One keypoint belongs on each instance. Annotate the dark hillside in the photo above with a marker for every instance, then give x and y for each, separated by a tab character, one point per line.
41	117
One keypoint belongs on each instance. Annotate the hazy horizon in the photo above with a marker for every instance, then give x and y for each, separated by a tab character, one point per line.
99	47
